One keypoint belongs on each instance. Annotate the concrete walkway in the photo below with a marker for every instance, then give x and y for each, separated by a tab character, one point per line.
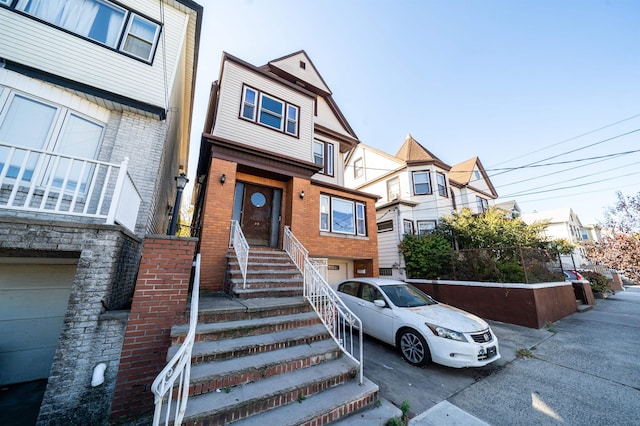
581	370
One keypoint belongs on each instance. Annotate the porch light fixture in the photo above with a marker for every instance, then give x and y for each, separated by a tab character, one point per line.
302	195
181	182
223	178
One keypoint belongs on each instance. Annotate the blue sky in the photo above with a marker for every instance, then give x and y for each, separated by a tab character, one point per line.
514	82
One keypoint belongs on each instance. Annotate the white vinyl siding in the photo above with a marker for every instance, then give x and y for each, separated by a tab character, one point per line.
230	126
112	71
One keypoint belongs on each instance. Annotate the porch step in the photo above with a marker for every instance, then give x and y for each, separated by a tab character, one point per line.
241	328
219	309
242	346
321	409
292	388
209	377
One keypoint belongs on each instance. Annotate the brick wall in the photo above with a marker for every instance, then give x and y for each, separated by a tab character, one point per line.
159	302
216	224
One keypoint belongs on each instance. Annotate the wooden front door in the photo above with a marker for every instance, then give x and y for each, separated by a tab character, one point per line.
257	214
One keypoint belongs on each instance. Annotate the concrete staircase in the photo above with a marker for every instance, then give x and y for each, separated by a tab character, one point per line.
268	360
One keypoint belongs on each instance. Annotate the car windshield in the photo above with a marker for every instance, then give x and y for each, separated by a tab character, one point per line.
406	296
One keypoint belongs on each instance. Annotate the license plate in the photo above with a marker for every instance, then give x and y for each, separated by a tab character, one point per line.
491	351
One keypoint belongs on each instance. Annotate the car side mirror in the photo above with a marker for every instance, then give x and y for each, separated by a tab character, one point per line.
379	303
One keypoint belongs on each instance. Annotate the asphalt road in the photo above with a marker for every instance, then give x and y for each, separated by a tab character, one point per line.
583	370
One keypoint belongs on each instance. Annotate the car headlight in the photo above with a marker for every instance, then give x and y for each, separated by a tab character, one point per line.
446	333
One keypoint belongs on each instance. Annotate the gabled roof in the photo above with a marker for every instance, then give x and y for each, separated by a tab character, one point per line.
299	65
412	153
561	215
462	173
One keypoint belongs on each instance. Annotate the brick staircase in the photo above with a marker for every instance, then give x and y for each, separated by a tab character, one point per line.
269	273
268	360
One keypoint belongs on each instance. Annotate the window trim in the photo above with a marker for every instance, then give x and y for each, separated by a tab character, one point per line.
428	182
328	159
358	170
327	201
390	182
385	226
406	222
442	187
482	204
284	117
127	21
421	222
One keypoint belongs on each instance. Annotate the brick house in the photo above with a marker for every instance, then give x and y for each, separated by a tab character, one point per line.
95	116
272	156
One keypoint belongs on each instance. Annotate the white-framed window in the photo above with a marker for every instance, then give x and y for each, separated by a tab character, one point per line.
407	226
249	100
358	168
361	219
323	155
33	126
421	183
442	184
393	189
482	204
269	111
426	226
292	120
99	20
385	226
342	216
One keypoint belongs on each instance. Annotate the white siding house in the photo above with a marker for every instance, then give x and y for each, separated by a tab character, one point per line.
416	189
96	99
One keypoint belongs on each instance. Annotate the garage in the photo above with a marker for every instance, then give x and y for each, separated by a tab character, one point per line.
34	294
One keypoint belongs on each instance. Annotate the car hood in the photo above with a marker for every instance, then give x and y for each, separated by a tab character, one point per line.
450	317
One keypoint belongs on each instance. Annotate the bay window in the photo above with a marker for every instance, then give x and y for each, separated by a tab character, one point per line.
421	183
442	184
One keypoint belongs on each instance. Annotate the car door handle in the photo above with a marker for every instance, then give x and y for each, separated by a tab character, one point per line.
361	304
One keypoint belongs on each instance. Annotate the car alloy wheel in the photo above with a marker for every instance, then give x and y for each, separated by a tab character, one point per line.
413	348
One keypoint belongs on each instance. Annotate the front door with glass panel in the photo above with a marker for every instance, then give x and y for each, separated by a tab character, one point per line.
257	208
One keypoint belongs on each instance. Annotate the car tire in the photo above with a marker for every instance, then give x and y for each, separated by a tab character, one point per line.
413	348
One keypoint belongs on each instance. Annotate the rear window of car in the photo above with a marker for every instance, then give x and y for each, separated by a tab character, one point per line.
350	288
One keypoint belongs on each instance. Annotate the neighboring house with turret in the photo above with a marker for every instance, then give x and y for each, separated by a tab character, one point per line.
416	189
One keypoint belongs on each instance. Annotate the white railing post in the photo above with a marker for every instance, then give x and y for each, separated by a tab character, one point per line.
179	368
241	248
122	174
336	317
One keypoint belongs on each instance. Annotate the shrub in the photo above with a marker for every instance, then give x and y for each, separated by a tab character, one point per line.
598	281
426	256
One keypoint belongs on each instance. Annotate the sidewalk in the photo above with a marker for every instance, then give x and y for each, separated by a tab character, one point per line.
582	370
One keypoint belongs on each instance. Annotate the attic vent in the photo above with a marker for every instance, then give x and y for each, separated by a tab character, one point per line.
303	65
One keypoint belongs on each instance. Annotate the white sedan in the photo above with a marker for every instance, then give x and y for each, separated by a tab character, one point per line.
424	330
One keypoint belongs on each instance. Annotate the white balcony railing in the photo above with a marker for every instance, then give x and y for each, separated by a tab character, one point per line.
46	182
335	315
177	372
241	248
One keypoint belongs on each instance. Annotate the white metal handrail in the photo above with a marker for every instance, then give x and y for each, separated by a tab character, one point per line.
241	248
49	182
335	315
178	369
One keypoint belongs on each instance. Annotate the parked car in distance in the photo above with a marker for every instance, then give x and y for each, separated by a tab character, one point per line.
572	275
423	329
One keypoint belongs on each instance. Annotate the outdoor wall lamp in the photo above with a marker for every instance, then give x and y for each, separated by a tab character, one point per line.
302	195
181	182
223	178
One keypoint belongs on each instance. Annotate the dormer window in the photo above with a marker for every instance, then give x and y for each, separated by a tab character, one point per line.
269	111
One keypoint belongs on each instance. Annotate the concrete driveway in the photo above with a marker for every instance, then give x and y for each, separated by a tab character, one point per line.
582	370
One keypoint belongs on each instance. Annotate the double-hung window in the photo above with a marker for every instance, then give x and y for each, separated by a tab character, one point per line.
442	184
50	143
358	168
269	111
323	156
393	189
99	20
482	204
426	226
342	216
421	183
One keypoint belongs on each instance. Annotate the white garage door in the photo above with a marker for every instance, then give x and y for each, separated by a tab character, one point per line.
33	302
